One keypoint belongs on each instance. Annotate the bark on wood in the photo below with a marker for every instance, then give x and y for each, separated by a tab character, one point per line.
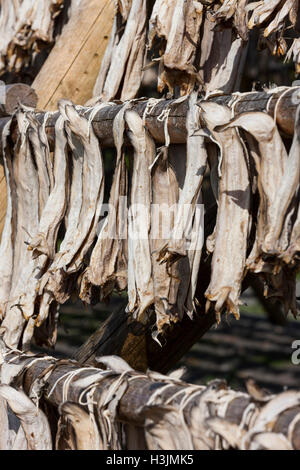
204	417
284	100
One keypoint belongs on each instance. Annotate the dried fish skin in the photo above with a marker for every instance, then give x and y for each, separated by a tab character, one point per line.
23	297
285	193
270	166
108	261
6	246
233	217
125	50
140	280
24	24
195	168
84	210
33	420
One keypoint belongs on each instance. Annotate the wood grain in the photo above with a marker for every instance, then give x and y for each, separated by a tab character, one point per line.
73	65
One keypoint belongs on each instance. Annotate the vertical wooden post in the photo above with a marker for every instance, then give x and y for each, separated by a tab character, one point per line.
73	65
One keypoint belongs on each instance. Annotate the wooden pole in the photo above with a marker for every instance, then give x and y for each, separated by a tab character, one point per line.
285	103
15	94
61	381
73	65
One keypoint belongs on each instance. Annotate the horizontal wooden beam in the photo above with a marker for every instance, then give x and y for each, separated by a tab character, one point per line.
61	381
283	102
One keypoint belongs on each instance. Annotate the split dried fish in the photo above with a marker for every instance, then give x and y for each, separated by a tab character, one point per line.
7	240
125	55
165	194
233	218
235	10
294	52
140	279
86	197
195	169
178	24
286	191
24	24
270	166
42	243
86	433
108	264
33	420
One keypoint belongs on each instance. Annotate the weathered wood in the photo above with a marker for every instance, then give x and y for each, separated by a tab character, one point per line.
65	381
285	102
72	66
15	94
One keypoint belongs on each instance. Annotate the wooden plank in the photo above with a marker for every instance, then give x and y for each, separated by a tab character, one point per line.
73	65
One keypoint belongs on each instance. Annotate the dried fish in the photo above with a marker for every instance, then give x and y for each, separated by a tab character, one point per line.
286	191
235	10
33	420
195	169
24	24
124	58
42	244
140	280
86	197
165	194
108	262
270	166
233	218
222	59
178	24
86	433
295	52
7	246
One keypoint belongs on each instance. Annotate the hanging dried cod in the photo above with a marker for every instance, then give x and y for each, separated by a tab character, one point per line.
270	164
108	264
277	235
178	24
7	240
33	420
124	56
233	218
186	238
24	26
195	168
43	235
140	279
86	197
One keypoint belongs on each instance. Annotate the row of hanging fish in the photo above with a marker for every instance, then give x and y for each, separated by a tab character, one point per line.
201	43
172	414
25	25
57	240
